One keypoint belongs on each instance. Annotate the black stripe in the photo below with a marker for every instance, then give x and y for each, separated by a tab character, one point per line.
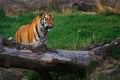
36	38
44	37
45	34
42	25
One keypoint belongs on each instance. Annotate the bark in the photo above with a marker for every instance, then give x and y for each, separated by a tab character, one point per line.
103	51
44	61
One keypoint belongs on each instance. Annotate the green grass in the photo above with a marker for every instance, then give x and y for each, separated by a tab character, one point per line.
75	31
72	31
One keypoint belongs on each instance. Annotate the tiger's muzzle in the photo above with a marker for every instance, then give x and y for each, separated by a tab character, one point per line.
49	28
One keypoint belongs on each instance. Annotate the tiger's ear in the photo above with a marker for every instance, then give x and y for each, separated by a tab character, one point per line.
41	13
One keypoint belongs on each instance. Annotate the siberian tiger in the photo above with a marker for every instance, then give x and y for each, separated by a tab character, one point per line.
36	32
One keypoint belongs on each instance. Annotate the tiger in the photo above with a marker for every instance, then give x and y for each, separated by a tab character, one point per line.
36	33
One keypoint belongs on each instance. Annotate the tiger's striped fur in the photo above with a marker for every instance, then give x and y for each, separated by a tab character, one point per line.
36	32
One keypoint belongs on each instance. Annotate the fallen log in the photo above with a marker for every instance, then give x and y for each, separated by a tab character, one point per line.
43	59
46	61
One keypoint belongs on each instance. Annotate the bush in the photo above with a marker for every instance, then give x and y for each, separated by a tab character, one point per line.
2	14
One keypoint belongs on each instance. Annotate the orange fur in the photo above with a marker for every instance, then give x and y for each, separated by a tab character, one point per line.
25	33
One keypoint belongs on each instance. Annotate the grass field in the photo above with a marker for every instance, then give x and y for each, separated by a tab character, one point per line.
72	31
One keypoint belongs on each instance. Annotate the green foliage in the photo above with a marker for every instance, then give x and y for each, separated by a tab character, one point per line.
2	14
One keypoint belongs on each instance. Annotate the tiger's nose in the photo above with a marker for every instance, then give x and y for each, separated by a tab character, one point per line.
51	26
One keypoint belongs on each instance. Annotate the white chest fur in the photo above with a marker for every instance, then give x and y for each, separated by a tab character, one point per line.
40	36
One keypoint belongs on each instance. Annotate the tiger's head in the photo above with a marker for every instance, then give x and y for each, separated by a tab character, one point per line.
46	21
